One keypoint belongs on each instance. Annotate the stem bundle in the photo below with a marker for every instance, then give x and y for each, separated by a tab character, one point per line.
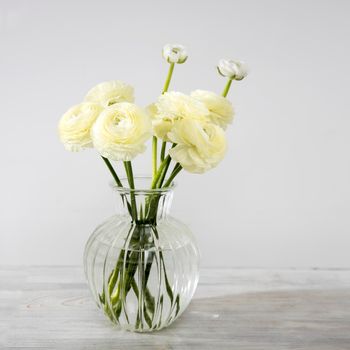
132	264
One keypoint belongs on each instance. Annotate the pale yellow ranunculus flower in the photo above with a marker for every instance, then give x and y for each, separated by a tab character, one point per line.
75	125
200	146
110	92
174	106
220	108
121	130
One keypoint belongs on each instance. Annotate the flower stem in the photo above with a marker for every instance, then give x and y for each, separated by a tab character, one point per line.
162	153
154	156
130	176
159	172
162	177
168	78
111	169
227	88
175	167
154	140
163	168
176	170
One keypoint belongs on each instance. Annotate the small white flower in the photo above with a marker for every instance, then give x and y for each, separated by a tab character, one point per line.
110	92
75	126
173	106
220	108
236	70
121	130
175	53
200	146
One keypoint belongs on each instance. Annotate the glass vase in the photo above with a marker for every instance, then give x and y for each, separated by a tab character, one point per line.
142	264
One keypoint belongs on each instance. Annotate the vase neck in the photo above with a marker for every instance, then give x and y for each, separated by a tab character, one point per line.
144	206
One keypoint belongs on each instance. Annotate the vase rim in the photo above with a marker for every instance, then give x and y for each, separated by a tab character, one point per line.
141	190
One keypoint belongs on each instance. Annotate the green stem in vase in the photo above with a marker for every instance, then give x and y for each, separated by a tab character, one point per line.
130	176
227	88
154	156
162	152
112	171
163	170
159	172
122	279
176	170
117	180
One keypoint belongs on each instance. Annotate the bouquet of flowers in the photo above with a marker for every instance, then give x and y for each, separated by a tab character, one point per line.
187	133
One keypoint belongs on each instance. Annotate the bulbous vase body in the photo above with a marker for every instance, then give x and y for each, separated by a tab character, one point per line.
142	264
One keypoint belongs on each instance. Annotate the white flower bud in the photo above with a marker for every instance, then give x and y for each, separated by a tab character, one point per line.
175	53
236	70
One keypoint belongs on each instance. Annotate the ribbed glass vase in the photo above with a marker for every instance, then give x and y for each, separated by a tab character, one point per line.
142	264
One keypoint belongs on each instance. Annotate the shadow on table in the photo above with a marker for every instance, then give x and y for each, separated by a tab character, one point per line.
314	319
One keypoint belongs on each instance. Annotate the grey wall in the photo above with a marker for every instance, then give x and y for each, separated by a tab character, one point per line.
281	196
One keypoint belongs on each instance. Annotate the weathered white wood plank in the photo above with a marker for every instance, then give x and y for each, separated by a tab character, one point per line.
50	308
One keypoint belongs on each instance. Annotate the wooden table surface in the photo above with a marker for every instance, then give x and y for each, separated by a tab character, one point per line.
51	308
